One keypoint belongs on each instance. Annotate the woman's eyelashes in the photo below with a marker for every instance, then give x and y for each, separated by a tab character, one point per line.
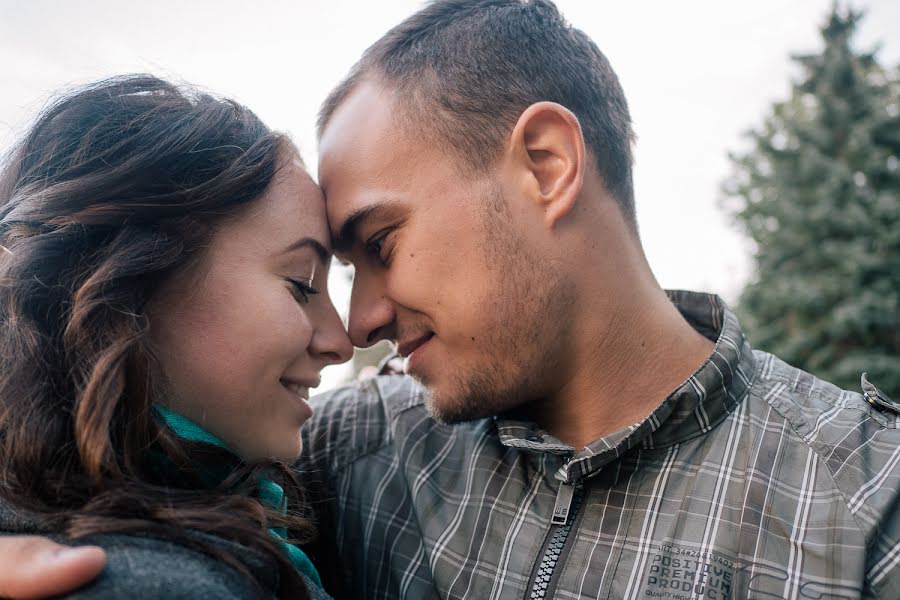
302	289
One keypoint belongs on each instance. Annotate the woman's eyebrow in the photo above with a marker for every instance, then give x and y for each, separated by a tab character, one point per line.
321	251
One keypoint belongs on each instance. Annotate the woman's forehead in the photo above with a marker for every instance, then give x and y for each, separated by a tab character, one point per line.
291	209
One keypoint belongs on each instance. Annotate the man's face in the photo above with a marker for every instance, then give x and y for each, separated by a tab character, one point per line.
443	265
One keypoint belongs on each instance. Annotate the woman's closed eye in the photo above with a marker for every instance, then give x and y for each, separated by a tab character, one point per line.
302	289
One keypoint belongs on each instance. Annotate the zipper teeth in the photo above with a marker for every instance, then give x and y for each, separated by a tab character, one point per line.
551	555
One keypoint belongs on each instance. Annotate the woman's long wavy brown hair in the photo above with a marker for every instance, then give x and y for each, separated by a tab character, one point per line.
117	186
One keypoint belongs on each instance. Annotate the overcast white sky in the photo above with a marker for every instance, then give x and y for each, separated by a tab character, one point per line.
696	73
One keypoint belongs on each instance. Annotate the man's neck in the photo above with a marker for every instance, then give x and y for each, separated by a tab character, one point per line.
632	347
624	372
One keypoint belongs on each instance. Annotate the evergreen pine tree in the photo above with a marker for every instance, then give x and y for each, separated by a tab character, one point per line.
818	192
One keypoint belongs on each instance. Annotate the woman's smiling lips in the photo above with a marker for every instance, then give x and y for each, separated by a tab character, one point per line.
301	391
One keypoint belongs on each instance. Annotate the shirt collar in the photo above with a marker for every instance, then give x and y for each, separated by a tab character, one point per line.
692	409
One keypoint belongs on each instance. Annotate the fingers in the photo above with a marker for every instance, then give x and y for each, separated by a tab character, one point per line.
36	567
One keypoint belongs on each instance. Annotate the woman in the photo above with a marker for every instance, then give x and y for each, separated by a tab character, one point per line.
163	314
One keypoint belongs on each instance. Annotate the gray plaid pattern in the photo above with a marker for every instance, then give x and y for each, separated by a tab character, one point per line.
753	479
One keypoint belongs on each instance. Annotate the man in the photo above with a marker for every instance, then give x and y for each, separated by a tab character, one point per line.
581	433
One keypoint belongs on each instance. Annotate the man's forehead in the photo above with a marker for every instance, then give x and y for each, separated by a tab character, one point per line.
353	180
368	140
369	159
358	130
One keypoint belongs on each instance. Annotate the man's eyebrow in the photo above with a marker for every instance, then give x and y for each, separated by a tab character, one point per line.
321	251
349	232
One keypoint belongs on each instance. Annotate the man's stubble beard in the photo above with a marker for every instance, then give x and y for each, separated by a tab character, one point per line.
522	347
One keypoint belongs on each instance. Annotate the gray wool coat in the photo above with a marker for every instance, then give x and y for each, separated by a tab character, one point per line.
153	569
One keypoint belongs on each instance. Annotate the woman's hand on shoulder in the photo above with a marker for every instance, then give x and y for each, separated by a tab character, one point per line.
36	567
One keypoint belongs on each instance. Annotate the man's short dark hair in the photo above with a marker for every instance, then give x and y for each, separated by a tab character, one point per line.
481	63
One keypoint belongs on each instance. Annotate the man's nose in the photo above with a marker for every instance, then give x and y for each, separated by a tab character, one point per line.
372	315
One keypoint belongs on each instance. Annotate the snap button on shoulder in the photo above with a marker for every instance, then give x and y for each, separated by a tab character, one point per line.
877	398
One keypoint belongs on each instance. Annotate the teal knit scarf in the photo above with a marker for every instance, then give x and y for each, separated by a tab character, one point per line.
269	492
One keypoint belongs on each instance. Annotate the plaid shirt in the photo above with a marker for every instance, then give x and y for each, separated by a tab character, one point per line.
753	479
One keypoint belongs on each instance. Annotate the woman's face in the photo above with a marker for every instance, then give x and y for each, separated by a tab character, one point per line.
240	338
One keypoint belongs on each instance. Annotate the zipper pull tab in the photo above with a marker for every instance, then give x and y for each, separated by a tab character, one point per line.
563	504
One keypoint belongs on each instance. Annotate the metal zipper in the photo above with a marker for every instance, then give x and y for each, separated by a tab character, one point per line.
568	501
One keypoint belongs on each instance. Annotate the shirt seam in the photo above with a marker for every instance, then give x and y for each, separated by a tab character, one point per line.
833	402
870	543
807	442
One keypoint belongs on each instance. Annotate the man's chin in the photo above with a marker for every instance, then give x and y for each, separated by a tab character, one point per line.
457	395
450	414
451	407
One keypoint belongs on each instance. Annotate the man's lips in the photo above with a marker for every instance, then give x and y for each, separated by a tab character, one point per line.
408	347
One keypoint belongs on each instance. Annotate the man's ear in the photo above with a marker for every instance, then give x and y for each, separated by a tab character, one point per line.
548	146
